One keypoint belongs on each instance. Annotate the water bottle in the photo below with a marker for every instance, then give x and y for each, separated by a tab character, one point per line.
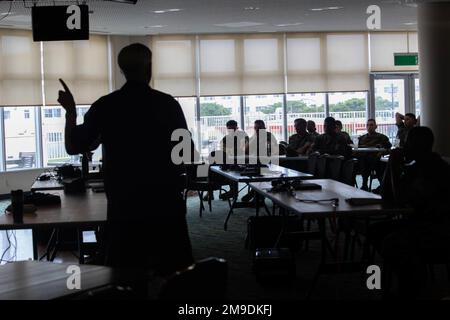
17	205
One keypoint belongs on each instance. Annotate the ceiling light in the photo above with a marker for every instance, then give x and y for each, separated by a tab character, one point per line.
155	26
326	8
167	10
410	23
251	8
288	24
242	24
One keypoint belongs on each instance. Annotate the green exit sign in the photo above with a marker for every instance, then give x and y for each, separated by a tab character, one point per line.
406	59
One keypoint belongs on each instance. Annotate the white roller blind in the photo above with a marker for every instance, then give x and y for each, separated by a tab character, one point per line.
20	69
241	64
220	65
174	64
322	62
306	63
263	64
383	45
83	65
347	62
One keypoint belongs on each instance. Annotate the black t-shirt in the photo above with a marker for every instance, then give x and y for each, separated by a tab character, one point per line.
332	144
425	186
135	124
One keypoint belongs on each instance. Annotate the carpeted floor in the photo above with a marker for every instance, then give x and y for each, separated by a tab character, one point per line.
210	240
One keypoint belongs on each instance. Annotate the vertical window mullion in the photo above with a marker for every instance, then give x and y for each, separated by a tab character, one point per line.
38	138
197	93
327	105
241	111
371	99
285	124
2	141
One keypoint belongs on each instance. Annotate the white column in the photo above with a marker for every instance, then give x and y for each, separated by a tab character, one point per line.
434	61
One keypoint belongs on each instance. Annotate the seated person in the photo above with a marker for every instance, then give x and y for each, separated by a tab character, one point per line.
371	161
344	133
404	124
267	138
233	144
311	127
300	142
252	148
422	186
331	142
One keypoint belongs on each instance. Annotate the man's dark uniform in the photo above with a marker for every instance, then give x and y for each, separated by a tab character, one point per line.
370	162
146	225
297	141
332	144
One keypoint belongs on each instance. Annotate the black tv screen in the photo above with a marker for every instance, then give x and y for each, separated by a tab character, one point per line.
59	23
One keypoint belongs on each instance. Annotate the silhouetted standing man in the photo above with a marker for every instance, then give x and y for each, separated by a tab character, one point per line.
146	225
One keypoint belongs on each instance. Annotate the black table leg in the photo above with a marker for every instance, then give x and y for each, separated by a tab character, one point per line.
324	248
35	244
225	225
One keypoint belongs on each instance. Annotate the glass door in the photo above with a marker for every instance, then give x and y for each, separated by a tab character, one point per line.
394	93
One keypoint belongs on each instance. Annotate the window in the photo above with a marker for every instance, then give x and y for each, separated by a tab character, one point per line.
268	108
351	109
308	106
52	113
53	144
6	115
214	114
26	114
389	99
20	139
81	111
417	96
188	105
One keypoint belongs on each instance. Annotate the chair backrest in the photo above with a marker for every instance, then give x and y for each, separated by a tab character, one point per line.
191	172
321	171
204	280
282	147
348	172
312	163
334	165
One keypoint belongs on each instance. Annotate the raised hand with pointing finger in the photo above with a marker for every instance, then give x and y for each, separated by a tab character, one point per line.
65	98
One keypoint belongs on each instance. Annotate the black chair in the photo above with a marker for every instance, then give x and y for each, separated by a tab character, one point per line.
321	170
334	167
202	185
312	163
204	280
283	148
349	171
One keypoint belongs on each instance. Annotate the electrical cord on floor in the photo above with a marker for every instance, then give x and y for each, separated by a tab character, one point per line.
6	250
11	245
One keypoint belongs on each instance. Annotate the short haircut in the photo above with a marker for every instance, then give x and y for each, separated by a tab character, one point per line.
373	120
411	115
134	59
232	123
260	123
338	123
330	123
300	120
